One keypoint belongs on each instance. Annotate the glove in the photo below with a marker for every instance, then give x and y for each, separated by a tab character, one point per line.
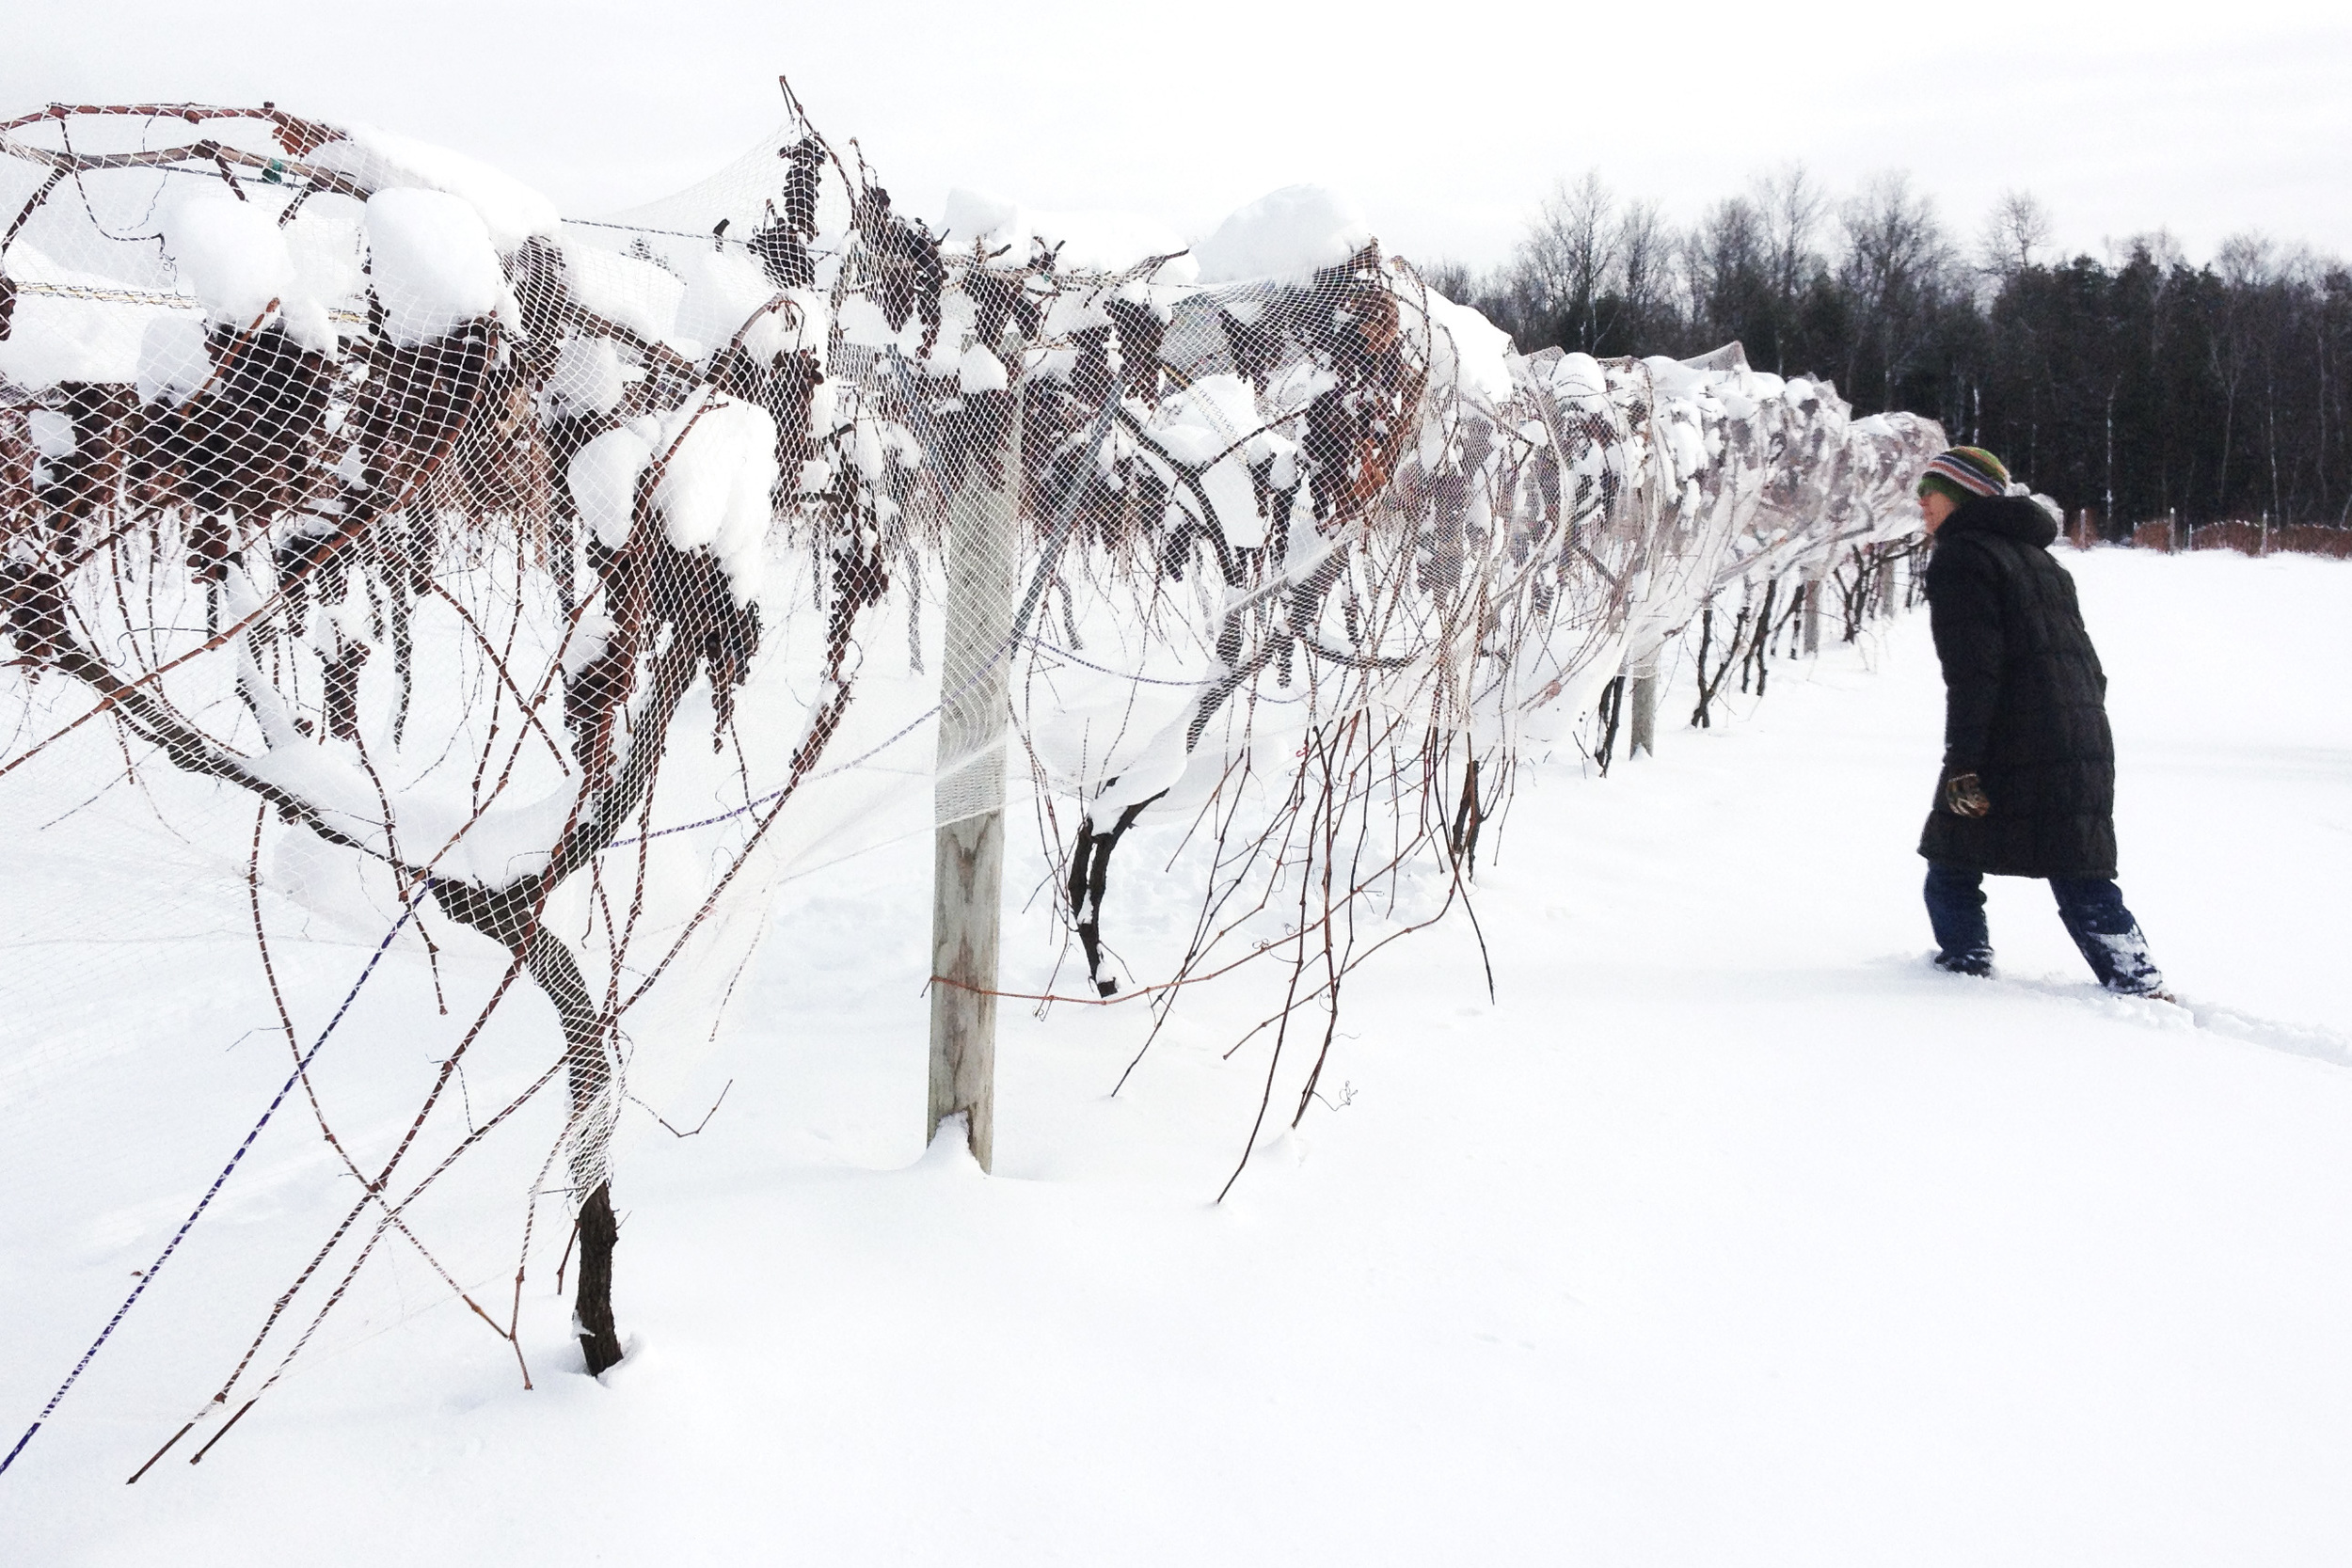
1964	797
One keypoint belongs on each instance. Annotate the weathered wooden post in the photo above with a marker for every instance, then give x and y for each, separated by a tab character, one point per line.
1642	689
975	721
1809	614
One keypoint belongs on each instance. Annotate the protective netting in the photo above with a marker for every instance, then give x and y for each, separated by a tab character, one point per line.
455	573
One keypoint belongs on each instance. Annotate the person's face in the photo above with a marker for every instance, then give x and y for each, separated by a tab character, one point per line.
1933	508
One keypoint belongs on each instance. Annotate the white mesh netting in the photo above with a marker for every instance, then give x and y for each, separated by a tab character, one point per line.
395	558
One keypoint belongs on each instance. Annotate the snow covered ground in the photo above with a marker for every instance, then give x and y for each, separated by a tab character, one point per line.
1730	1233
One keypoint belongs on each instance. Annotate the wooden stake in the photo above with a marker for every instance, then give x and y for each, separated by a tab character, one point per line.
975	721
968	872
1644	691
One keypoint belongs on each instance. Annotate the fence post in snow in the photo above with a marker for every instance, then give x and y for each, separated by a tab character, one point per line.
1642	685
975	722
1809	617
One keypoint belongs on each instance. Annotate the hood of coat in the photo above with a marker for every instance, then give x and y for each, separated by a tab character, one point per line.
2018	517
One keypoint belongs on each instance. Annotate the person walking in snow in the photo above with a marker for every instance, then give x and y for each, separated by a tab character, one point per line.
2028	781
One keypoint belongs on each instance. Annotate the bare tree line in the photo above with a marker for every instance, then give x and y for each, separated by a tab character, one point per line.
2137	387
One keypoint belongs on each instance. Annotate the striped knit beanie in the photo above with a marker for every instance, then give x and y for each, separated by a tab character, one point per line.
1964	473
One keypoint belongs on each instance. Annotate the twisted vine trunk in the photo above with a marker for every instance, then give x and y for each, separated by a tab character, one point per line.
592	1310
588	1076
510	917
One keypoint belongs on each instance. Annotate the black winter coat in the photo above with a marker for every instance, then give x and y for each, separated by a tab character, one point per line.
2025	701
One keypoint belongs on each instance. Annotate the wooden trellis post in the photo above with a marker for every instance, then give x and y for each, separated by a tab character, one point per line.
974	721
1642	687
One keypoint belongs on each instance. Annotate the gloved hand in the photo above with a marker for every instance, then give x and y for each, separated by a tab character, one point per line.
1964	797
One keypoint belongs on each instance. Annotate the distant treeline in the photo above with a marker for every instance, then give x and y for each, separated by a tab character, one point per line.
2139	388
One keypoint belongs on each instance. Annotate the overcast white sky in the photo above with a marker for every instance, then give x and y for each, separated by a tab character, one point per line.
1447	124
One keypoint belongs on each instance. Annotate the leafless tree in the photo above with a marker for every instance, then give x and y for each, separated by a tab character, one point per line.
1790	206
1644	264
1723	262
1566	258
1897	266
2018	226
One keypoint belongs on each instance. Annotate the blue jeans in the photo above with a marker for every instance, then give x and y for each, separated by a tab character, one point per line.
2093	909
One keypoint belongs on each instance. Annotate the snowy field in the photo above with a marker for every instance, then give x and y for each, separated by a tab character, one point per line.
1730	1233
